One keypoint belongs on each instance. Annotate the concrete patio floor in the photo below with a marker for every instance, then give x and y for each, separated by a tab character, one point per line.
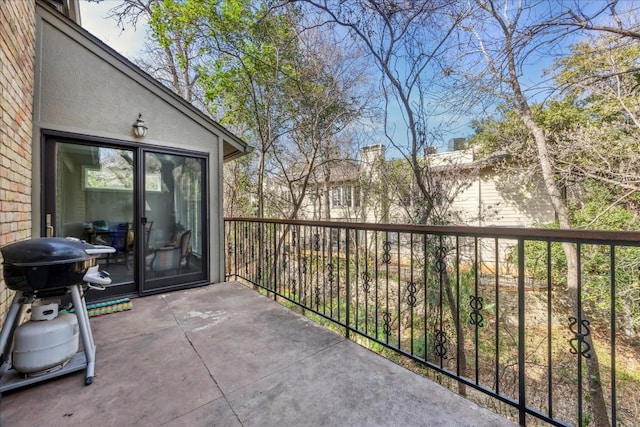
224	355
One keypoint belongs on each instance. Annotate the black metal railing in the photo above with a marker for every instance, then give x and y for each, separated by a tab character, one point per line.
540	326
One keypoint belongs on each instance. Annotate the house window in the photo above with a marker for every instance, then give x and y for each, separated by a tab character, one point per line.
346	196
343	196
336	197
356	196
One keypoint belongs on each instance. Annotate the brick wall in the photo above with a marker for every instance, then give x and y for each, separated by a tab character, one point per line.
17	52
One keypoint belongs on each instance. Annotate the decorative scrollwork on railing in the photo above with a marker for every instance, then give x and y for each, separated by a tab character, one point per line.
366	282
316	242
284	260
578	344
230	249
303	268
441	255
293	238
411	298
441	344
386	328
317	296
253	251
386	256
475	317
330	272
293	286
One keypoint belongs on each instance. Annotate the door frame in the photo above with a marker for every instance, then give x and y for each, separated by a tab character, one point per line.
152	285
49	140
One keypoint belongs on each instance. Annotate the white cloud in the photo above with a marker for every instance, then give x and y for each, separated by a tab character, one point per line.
128	42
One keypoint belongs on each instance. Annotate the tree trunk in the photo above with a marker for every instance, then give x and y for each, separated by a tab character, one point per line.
326	200
596	395
260	207
460	344
260	185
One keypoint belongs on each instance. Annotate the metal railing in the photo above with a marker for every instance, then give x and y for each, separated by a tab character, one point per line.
540	326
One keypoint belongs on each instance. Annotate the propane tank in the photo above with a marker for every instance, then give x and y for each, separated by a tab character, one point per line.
46	342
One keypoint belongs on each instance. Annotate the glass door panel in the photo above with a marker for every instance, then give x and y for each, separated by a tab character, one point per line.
94	201
174	197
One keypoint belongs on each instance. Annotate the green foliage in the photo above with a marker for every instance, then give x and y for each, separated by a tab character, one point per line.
244	49
559	116
499	133
239	187
250	51
595	264
173	20
601	75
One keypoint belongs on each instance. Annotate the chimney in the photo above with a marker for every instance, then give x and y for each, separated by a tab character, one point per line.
372	154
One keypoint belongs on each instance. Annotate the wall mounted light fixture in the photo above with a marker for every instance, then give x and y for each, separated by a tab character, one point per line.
139	129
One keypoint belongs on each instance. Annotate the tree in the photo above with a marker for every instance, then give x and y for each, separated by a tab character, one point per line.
405	41
506	35
328	96
238	183
247	75
173	51
504	40
602	78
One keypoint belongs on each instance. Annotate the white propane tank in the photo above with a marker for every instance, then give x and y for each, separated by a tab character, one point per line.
43	311
45	344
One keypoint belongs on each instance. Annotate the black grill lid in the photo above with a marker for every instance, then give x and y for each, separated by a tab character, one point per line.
49	251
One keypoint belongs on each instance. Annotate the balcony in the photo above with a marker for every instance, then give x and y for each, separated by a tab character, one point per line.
487	313
540	326
223	355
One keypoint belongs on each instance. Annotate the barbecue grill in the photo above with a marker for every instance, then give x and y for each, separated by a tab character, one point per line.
40	269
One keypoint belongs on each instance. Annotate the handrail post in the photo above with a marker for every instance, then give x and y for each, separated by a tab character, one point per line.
274	267
522	402
235	249
347	279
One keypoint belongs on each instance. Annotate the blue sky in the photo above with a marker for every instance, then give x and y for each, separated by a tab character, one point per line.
129	42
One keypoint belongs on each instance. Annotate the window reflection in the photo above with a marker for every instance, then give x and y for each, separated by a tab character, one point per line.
174	214
94	202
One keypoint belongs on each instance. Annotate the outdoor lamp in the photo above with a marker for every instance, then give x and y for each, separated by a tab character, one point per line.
139	129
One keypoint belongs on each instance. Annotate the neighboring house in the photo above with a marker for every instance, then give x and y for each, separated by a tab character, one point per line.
359	191
477	193
73	165
341	198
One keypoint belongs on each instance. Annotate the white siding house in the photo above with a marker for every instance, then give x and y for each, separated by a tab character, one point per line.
488	197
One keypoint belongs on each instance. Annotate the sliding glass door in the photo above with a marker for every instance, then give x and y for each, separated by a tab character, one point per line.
151	206
91	197
174	203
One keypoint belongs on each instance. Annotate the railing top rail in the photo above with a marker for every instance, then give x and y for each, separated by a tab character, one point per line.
629	238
